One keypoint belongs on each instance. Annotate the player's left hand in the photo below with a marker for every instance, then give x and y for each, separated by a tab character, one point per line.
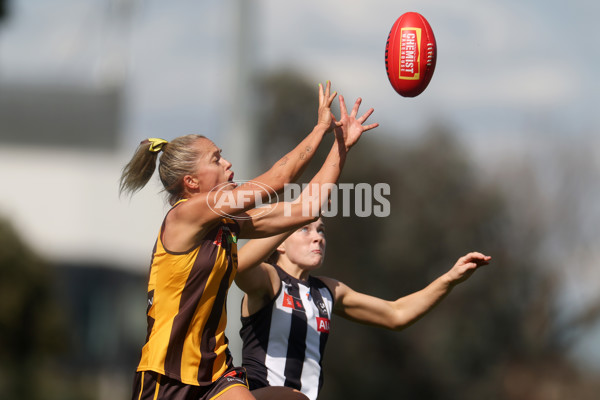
466	266
325	117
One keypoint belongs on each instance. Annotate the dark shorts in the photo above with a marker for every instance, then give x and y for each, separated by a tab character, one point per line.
254	384
149	385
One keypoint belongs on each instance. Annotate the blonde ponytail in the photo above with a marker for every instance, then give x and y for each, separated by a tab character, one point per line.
140	168
178	158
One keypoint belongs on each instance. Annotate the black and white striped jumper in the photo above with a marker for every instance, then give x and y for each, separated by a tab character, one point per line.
284	342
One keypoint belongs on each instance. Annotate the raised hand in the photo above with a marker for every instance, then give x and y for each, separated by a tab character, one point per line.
325	117
349	128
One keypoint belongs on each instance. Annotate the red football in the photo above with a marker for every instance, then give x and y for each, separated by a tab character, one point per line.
410	54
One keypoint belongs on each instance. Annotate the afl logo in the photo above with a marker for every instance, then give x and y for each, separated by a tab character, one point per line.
236	195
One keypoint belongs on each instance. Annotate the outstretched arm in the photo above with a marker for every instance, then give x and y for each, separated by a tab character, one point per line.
281	217
406	310
255	277
199	214
290	167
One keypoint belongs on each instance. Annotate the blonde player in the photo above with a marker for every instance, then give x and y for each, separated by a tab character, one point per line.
194	260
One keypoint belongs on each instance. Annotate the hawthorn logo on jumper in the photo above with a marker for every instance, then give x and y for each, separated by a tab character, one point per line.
323	325
219	239
410	54
231	238
237	200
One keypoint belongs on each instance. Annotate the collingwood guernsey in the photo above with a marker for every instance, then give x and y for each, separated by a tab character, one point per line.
283	343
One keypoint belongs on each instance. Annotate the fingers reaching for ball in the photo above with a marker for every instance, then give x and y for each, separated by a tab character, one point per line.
466	266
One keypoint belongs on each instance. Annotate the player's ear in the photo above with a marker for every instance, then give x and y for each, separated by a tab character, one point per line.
281	248
191	182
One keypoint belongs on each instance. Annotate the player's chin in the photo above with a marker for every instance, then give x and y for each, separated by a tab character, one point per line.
316	260
229	185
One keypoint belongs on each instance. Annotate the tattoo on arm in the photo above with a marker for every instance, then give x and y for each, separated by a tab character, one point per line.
303	156
307	151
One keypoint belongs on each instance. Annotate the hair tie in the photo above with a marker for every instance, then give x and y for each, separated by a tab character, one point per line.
156	144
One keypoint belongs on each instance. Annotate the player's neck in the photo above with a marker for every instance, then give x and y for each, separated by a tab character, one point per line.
293	270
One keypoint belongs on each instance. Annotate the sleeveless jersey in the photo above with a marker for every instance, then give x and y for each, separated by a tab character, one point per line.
186	312
284	342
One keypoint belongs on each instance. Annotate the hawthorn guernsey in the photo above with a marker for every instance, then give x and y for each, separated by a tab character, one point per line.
410	54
